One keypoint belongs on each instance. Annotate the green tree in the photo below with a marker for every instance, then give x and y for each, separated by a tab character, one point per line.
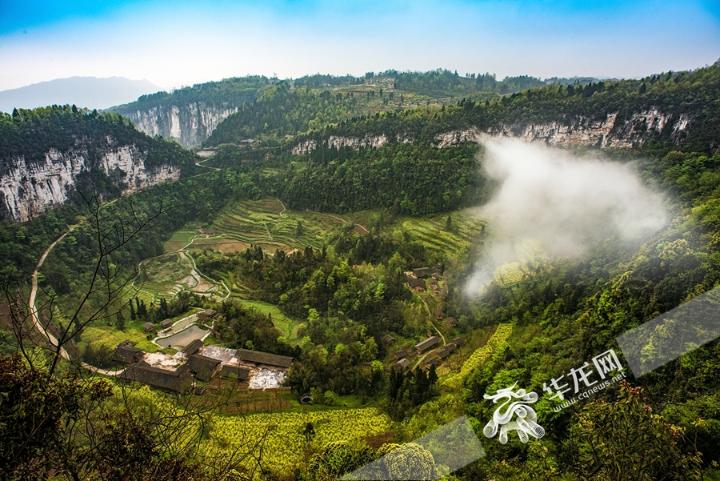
625	439
119	321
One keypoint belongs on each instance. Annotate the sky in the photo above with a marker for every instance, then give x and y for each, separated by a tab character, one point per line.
179	42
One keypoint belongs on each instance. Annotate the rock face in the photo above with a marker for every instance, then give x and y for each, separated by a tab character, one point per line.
337	142
189	124
610	132
27	189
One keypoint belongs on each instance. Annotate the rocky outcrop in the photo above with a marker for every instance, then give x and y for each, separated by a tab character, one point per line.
608	132
303	147
27	189
455	137
189	124
336	142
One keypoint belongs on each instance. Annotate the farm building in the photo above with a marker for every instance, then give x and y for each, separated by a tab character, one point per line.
413	282
259	357
401	353
446	350
207	314
427	363
427	344
203	367
178	380
193	347
402	364
422	272
126	352
234	372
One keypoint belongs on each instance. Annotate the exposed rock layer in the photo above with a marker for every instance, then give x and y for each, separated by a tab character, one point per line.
610	132
189	124
27	189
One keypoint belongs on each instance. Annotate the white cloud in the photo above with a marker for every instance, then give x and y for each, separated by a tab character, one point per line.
560	204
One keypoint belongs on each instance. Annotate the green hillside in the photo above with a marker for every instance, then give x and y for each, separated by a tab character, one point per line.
357	262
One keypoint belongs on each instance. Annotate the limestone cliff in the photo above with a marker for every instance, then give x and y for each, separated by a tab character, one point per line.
189	124
607	132
610	132
29	188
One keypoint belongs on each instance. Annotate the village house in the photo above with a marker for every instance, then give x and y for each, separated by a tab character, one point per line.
206	314
413	282
127	353
432	361
149	327
427	344
259	357
203	367
179	380
193	347
422	272
446	350
231	371
166	323
401	353
402	364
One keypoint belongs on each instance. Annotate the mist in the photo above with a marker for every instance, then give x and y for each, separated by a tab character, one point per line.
554	204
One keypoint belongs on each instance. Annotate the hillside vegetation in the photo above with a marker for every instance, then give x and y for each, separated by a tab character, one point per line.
349	257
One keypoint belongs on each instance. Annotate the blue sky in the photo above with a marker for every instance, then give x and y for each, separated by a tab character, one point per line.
174	43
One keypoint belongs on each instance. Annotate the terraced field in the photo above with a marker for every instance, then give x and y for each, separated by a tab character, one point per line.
166	275
268	224
432	233
493	347
181	238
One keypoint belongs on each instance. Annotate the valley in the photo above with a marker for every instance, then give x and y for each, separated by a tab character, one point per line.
340	266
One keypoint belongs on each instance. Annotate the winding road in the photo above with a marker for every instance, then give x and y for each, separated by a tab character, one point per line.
36	318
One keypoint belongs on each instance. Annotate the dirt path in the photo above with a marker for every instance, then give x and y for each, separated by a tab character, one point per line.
33	295
196	270
36	318
337	217
183	251
201	163
427	309
32	300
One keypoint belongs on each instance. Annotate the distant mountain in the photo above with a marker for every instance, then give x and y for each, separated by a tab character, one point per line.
90	92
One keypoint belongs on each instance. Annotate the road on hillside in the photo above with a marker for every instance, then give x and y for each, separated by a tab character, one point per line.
36	318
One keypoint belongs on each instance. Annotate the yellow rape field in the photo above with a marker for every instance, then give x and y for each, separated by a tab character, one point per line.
285	445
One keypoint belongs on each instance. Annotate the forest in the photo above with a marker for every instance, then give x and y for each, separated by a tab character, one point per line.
32	133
